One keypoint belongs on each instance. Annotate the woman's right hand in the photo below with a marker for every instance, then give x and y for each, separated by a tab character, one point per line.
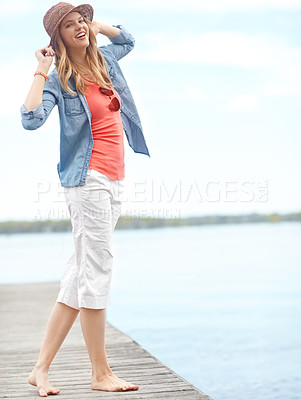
45	57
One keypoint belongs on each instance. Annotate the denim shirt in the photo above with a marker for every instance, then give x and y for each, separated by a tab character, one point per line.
76	139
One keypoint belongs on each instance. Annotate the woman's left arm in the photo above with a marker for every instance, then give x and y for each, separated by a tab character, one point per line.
122	41
104	29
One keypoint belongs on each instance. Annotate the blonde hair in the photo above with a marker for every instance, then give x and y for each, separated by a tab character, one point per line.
66	67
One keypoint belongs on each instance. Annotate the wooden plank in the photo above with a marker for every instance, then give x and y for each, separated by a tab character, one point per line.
24	310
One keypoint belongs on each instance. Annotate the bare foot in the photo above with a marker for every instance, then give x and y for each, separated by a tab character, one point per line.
40	379
111	383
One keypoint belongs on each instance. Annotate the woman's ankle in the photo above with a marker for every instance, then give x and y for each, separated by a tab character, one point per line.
100	373
42	367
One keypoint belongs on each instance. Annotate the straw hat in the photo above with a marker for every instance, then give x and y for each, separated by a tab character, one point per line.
58	12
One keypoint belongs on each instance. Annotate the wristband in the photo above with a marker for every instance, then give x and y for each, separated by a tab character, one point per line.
41	73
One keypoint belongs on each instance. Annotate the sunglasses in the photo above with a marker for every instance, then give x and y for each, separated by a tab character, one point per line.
114	104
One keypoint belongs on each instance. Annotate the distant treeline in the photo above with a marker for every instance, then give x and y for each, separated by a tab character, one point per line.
64	225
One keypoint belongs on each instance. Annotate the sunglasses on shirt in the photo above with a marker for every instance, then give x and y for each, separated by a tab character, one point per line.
114	104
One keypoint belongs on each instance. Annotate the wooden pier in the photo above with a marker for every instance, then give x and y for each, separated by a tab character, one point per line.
24	310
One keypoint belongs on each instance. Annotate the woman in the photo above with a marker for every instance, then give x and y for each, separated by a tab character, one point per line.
95	106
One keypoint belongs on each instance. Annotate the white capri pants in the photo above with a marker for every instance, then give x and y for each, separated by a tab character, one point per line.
94	210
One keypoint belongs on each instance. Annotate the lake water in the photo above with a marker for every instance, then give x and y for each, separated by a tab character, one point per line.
220	305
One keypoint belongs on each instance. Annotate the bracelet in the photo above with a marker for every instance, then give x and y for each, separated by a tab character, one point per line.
41	73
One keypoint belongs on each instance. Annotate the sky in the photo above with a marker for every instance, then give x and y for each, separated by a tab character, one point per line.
217	85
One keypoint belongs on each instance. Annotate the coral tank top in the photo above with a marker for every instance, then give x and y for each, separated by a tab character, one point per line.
107	130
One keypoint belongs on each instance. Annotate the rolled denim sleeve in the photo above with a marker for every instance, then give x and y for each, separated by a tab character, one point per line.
33	119
122	44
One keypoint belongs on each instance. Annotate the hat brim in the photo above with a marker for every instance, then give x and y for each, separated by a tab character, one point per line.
84	9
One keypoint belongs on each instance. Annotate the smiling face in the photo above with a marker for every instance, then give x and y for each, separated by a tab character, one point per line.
74	31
